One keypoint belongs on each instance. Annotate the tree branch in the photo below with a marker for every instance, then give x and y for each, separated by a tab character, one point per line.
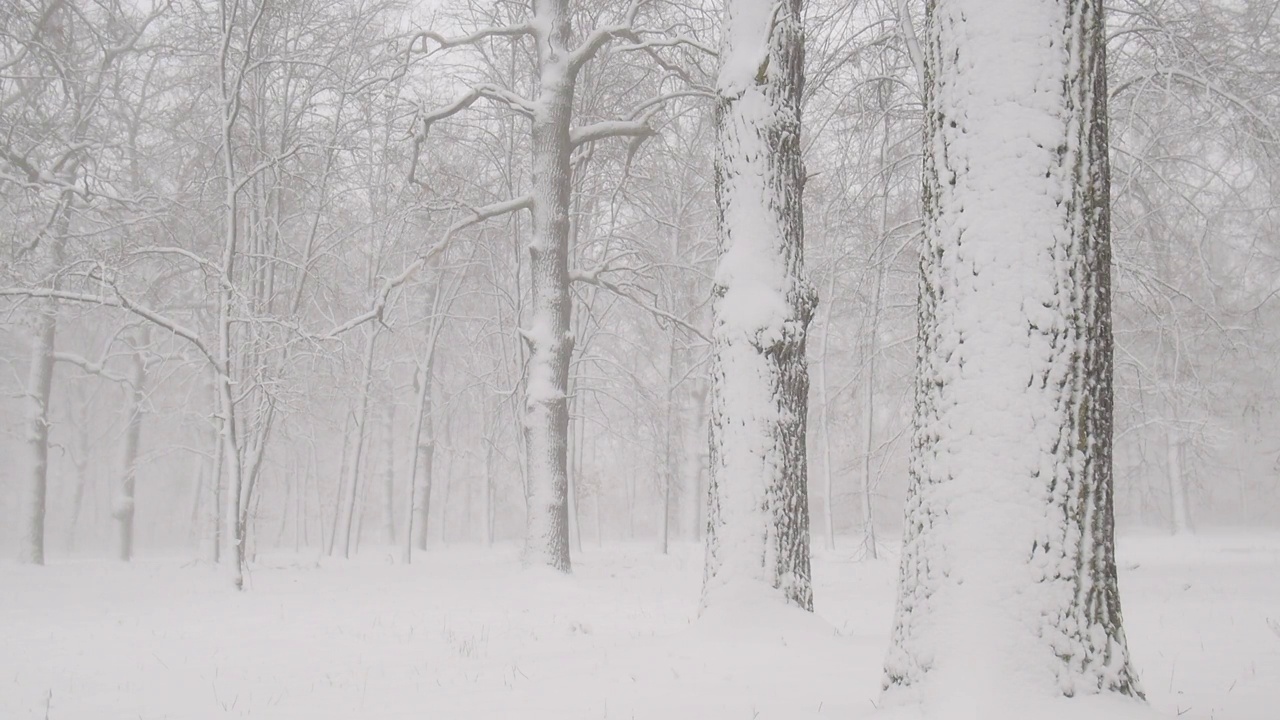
444	43
119	301
90	367
592	277
478	215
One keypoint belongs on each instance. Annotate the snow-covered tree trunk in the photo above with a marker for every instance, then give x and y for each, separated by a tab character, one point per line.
38	389
124	501
1008	578
758	513
546	411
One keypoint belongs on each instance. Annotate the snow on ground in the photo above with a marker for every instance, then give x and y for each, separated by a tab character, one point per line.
467	634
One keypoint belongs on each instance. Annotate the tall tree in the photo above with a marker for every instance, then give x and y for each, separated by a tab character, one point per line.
1008	572
559	64
758	512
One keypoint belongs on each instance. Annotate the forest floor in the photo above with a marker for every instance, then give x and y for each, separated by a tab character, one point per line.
466	634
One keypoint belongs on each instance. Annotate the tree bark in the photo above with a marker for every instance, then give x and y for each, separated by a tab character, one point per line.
124	510
546	426
419	505
824	423
38	390
758	513
1008	571
353	470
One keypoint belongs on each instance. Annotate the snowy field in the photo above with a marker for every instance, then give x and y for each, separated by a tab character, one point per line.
467	634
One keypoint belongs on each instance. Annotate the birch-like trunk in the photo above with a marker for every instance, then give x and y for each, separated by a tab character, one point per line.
546	411
38	390
124	509
758	513
1008	579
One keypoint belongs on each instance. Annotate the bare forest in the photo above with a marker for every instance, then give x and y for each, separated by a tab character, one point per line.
732	312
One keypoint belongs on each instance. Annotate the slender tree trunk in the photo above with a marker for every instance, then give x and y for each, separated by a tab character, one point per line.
574	458
1178	515
758	513
353	470
546	426
488	494
124	502
869	435
695	457
389	473
80	459
824	412
38	390
1008	572
216	488
419	505
669	462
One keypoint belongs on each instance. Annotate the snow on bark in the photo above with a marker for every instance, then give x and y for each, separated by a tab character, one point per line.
39	386
546	411
1008	578
758	514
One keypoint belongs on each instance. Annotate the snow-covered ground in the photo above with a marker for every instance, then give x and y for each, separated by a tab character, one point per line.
465	634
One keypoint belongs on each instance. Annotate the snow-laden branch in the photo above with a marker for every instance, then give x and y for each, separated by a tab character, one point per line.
602	36
444	43
488	91
668	41
119	301
200	262
478	215
264	165
485	90
610	129
93	368
635	126
593	277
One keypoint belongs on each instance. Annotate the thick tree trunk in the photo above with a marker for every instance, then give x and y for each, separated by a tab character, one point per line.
1008	574
546	426
124	502
758	513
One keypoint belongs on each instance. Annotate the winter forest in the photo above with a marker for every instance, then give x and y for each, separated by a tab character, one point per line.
736	359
